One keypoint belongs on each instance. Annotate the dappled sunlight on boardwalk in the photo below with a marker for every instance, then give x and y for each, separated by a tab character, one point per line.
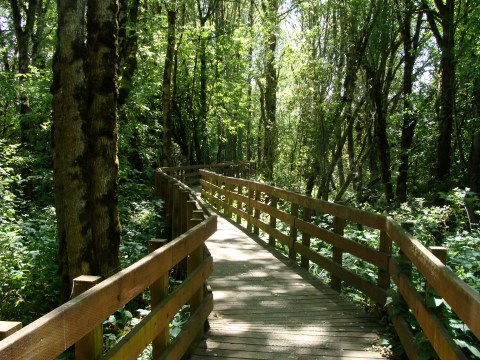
267	309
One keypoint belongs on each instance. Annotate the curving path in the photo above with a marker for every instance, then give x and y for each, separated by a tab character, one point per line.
266	308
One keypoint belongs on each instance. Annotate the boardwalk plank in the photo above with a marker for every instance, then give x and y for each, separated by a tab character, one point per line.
266	308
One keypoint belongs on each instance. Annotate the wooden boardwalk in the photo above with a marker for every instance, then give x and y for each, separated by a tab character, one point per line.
267	309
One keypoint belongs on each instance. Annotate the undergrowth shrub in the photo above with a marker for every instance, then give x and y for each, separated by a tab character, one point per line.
28	249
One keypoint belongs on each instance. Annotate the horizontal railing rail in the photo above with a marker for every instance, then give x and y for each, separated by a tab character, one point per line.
79	321
259	206
190	174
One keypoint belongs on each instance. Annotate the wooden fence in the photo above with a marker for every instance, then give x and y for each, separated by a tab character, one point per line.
261	207
79	321
190	175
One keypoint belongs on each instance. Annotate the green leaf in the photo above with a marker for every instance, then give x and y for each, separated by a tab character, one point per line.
465	345
433	302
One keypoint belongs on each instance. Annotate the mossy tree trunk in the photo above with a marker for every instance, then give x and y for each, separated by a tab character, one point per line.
410	46
270	139
444	33
24	25
102	29
85	140
166	91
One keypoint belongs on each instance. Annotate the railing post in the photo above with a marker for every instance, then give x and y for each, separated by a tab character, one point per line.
205	192
211	190
307	217
190	208
158	184
182	226
216	195
405	266
194	260
292	254
168	208
239	204
441	253
159	291
7	328
91	345
406	269
337	254
228	200
250	209
256	215
385	246
175	211
273	220
184	196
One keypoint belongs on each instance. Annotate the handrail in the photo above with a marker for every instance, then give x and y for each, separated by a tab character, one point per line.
190	174
52	334
248	200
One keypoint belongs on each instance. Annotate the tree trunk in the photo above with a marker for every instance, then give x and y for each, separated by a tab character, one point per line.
85	140
24	27
380	132
261	123
446	42
166	93
220	145
127	46
250	89
270	10
127	65
410	45
202	140
102	85
38	35
70	146
474	208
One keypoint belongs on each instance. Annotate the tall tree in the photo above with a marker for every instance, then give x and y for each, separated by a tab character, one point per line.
271	20
354	30
128	14
166	89
127	46
410	52
85	139
206	9
24	25
102	85
380	66
441	21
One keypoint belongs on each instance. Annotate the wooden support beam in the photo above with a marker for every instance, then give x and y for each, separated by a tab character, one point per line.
307	217
184	197
239	204
7	328
385	246
441	253
273	220
256	213
90	347
337	254
251	194
194	260
158	292
293	232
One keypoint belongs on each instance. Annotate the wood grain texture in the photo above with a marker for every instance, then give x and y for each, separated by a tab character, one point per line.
266	308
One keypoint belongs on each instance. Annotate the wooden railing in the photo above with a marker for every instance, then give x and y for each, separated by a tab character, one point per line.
79	321
190	175
260	207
